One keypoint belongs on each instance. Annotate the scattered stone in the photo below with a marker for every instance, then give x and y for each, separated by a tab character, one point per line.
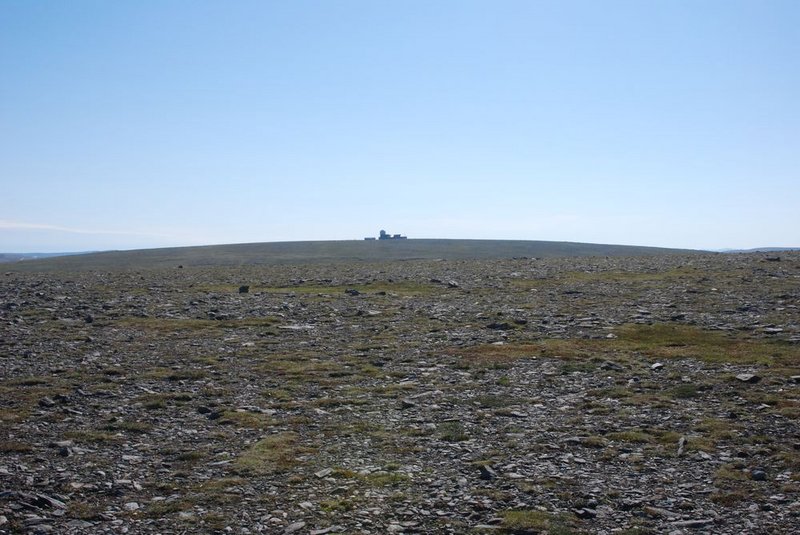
693	524
79	525
681	445
406	403
658	512
47	402
487	473
748	378
585	513
295	527
404	395
324	473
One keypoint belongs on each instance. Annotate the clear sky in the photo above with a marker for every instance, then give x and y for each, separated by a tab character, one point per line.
129	124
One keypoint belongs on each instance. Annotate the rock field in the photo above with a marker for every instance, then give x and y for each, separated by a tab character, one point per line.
594	395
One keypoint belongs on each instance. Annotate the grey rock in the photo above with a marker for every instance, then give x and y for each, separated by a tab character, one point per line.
585	513
500	326
693	524
487	473
79	525
681	445
750	378
406	403
295	527
47	402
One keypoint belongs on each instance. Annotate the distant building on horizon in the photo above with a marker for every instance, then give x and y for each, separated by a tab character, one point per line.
385	236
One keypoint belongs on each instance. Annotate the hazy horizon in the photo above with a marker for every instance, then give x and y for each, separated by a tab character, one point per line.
131	125
766	248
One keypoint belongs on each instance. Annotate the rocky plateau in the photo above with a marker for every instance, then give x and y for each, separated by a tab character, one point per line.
637	395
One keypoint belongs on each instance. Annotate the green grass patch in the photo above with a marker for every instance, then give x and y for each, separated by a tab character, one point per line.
91	436
452	432
527	520
191	457
637	437
215	486
594	441
653	342
729	472
83	510
337	506
729	498
14	415
133	427
29	381
271	455
684	391
304	368
166	507
14	446
386	479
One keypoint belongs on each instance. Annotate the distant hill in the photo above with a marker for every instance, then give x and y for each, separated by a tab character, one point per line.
761	250
332	251
16	257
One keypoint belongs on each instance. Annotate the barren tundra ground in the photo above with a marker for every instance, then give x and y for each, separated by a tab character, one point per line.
580	395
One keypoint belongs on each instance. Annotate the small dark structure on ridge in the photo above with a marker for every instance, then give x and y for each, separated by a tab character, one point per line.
384	236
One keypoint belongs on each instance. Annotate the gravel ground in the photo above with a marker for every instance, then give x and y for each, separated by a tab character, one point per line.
595	395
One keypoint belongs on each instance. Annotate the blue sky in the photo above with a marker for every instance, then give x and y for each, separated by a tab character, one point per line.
159	123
